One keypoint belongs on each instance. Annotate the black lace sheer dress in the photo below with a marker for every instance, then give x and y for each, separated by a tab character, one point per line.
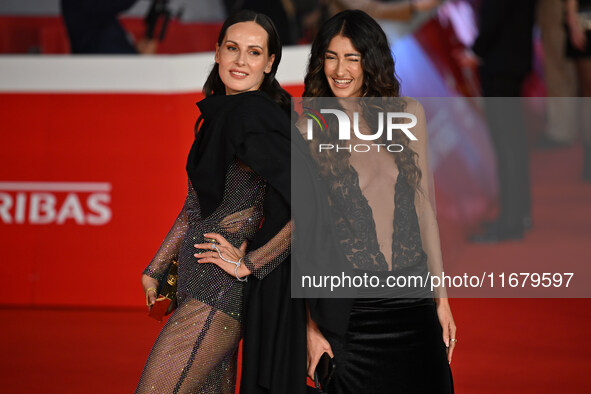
392	345
393	341
196	351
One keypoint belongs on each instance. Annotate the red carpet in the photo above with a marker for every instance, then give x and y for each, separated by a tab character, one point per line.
532	345
505	345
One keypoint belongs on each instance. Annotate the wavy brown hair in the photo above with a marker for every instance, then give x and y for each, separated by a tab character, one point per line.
379	80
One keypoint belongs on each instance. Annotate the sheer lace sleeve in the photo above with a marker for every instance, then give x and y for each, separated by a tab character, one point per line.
169	247
424	199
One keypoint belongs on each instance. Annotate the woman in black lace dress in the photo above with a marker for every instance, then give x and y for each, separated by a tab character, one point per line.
385	223
238	171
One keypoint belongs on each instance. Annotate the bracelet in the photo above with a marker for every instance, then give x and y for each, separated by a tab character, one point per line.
245	279
214	246
236	263
147	291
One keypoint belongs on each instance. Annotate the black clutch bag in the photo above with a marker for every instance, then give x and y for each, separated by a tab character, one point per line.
166	300
323	373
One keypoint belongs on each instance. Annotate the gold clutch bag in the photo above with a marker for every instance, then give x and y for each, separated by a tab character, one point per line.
166	301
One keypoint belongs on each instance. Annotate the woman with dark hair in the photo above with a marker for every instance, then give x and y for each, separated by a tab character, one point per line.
385	223
238	172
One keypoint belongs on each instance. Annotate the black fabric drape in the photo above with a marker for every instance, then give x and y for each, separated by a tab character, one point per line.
316	247
504	39
252	128
93	27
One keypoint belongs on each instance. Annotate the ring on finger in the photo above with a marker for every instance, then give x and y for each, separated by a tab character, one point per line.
148	292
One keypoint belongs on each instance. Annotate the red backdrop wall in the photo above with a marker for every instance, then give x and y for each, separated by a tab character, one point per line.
136	143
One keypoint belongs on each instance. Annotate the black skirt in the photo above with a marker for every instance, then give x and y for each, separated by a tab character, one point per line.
391	346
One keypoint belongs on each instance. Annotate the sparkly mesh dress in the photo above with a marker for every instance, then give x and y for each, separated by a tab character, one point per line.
196	351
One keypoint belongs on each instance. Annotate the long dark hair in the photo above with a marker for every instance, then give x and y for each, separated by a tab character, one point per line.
379	80
214	85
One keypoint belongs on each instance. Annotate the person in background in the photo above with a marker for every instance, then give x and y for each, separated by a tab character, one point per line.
399	10
294	18
93	28
578	48
559	77
504	52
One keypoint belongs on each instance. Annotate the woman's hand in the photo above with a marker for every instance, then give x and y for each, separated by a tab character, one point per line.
150	286
317	346
225	249
448	325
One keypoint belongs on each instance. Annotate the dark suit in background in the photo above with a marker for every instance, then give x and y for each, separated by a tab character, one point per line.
504	45
93	26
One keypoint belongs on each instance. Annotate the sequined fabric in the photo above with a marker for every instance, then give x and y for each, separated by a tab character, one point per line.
197	348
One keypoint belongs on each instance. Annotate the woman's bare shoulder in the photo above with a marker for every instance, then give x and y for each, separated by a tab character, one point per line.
413	106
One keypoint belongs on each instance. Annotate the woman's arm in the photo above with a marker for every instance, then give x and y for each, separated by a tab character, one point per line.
264	148
428	224
424	196
264	257
263	260
263	143
154	272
